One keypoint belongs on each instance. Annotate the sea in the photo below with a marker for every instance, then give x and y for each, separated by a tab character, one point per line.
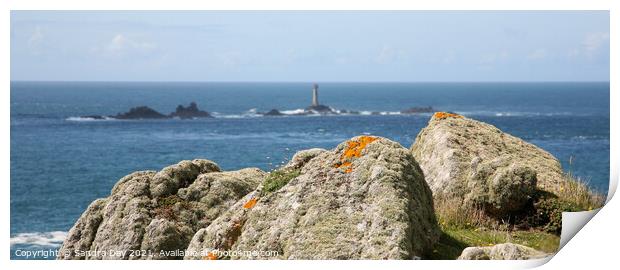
62	161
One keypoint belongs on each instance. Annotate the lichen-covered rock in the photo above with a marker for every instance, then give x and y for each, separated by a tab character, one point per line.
156	213
302	157
171	178
479	163
506	251
84	231
365	199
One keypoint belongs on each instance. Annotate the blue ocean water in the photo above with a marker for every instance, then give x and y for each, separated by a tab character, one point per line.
60	163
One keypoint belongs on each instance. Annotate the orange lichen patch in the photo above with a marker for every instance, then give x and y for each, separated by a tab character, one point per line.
345	165
210	256
353	150
250	203
444	115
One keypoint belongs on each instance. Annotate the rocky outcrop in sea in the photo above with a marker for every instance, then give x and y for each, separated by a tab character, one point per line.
189	112
145	112
141	112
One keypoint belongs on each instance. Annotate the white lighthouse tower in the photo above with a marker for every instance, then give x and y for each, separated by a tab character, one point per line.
315	95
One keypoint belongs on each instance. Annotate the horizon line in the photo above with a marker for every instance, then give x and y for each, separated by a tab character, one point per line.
318	81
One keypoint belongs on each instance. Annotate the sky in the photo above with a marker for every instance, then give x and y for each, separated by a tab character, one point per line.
304	46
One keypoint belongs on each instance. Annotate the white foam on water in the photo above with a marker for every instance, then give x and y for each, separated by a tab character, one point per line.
296	111
50	239
88	119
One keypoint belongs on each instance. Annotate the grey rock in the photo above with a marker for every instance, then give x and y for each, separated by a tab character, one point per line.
157	212
189	112
302	157
171	178
141	112
479	163
81	236
506	251
365	199
273	112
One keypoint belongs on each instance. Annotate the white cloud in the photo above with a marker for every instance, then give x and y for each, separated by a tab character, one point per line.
488	61
230	59
591	45
121	43
341	60
594	41
537	54
35	39
120	46
387	54
449	58
492	58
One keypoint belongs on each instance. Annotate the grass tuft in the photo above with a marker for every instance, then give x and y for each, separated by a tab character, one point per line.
279	178
454	213
576	191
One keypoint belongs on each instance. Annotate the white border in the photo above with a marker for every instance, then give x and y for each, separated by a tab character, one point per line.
592	247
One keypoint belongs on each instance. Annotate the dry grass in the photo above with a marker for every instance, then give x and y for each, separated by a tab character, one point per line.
453	213
464	225
576	191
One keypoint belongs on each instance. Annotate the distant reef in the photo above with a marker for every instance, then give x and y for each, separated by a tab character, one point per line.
414	110
145	112
190	111
141	112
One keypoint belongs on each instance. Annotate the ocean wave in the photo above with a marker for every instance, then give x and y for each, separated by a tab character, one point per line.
253	113
89	118
516	113
290	137
386	113
293	112
50	239
247	114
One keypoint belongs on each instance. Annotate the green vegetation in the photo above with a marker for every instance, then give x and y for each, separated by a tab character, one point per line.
279	178
572	196
538	227
576	192
454	240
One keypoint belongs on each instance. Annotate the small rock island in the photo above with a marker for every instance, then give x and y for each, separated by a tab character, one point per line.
190	111
145	112
141	112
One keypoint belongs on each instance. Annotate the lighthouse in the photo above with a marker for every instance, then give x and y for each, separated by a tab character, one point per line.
316	107
315	95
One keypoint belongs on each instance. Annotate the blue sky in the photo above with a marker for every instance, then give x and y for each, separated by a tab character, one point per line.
310	46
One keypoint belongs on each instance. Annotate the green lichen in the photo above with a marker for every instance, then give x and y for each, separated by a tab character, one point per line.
279	178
